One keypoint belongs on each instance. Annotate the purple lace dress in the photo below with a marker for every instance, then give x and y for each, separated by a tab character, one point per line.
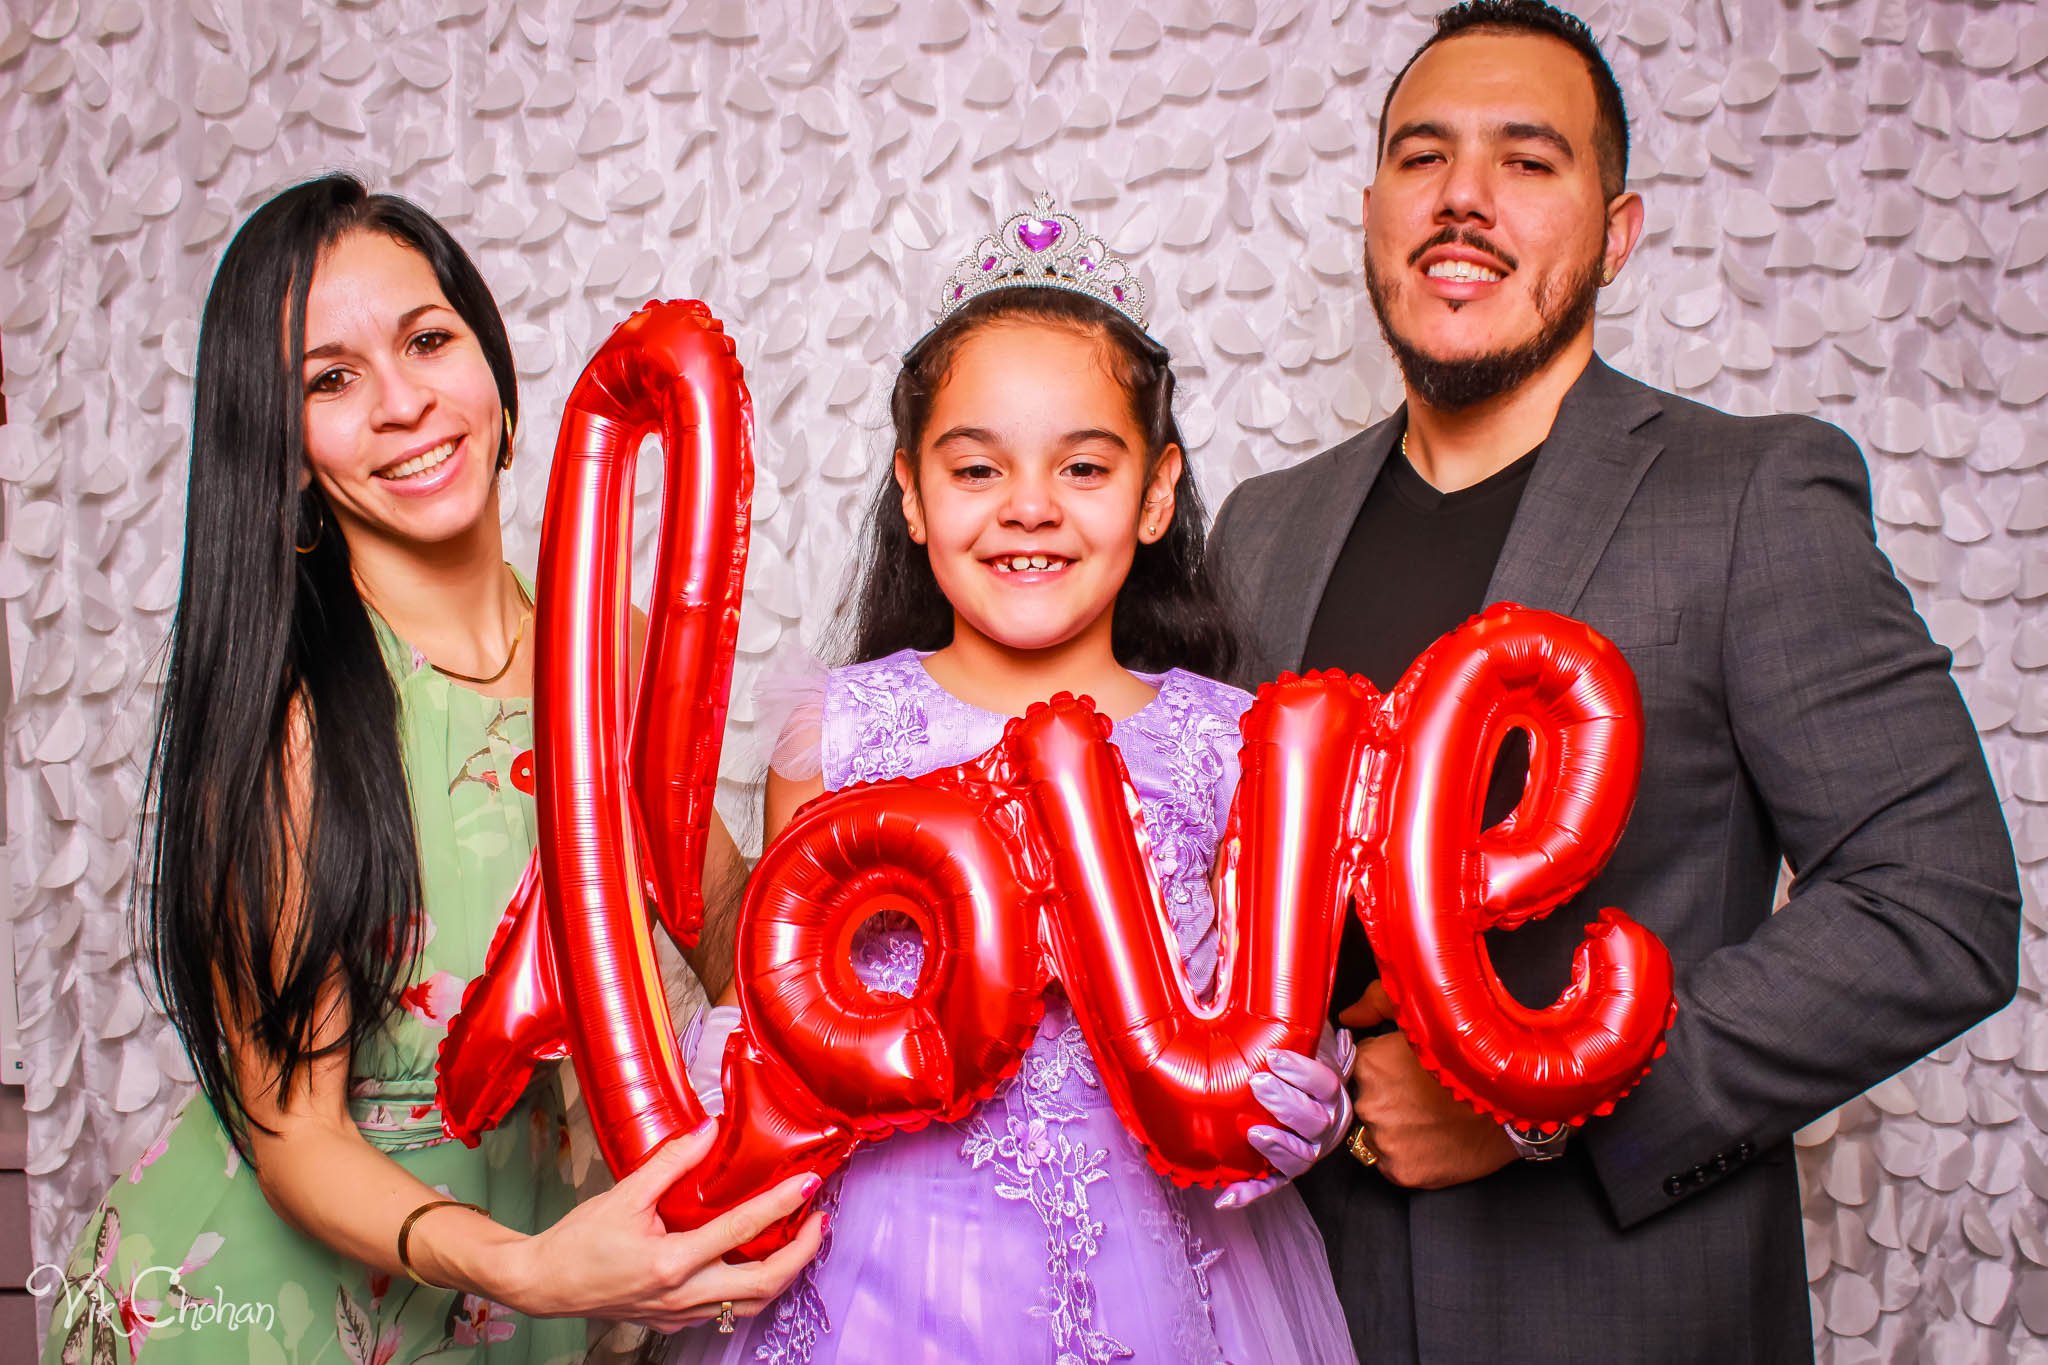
1033	1231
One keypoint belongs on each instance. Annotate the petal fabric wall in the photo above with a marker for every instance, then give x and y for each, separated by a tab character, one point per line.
1845	206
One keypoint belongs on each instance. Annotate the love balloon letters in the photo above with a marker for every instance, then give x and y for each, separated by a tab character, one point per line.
1027	865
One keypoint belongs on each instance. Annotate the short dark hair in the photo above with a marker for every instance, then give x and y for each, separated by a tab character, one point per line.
1610	119
1170	611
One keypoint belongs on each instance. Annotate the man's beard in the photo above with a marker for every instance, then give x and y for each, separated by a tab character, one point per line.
1454	385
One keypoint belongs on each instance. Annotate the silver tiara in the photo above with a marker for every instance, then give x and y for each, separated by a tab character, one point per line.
1044	249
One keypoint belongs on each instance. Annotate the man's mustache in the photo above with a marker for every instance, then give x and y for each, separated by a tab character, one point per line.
1456	236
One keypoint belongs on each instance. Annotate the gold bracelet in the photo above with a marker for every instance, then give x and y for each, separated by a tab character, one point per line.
405	1234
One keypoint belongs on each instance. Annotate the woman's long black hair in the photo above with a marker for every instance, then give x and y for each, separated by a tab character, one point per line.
1168	614
278	699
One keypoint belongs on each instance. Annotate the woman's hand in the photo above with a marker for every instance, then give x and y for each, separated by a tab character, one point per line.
611	1257
1308	1098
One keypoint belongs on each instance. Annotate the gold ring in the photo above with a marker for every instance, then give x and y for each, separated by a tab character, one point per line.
1360	1148
725	1320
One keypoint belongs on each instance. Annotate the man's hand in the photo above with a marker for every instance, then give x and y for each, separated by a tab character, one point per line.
1426	1137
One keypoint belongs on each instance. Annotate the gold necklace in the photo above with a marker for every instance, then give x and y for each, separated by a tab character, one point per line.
525	620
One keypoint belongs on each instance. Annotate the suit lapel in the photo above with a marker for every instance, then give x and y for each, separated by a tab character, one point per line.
1590	466
1317	530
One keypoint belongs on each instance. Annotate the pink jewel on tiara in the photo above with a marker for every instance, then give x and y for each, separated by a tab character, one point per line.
1038	235
1045	249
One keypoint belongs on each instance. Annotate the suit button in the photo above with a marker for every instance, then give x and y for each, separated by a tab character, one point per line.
1674	1185
1743	1151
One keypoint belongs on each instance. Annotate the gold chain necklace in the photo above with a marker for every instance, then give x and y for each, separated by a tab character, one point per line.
518	635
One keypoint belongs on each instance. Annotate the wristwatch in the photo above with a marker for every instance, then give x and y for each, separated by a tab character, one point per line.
1533	1144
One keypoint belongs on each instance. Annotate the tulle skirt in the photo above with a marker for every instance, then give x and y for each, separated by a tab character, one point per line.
1034	1232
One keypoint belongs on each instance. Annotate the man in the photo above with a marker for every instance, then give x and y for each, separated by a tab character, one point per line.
1793	702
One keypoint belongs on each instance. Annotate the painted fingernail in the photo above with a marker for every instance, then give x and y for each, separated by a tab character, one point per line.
710	1122
811	1183
824	1223
1227	1200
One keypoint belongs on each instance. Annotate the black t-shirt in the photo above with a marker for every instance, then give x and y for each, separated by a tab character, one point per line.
1414	566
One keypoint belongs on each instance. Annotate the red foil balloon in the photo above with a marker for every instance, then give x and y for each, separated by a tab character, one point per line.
591	982
875	1061
1030	857
510	1018
1177	1069
1434	883
1027	863
821	1061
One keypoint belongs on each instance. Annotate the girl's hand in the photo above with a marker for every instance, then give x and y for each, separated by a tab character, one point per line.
703	1049
1308	1097
611	1257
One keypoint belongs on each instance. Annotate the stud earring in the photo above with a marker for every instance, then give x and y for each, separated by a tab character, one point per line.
505	455
1606	274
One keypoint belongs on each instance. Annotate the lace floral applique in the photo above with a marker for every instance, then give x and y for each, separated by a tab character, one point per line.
800	1317
888	953
1190	736
892	724
1194	1324
1034	1161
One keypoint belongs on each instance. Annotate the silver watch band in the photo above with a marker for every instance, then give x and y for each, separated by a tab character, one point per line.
1533	1144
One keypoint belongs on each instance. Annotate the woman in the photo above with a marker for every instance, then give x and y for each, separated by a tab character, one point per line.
343	778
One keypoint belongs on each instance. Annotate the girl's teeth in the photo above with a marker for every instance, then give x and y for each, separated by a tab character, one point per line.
1024	563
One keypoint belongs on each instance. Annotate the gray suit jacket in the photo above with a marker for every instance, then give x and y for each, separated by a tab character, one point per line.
1794	706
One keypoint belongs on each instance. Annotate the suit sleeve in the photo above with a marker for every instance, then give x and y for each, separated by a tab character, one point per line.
1902	927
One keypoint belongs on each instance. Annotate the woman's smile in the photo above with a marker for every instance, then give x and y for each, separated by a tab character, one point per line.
427	472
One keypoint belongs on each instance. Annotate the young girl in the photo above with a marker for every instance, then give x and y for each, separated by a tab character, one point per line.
343	813
1039	533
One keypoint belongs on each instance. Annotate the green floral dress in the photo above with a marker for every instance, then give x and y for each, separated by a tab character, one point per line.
184	1261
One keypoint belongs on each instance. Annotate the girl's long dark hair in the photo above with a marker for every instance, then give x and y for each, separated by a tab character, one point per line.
1168	614
277	699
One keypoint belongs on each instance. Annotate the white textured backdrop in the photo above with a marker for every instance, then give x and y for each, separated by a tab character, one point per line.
1845	207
